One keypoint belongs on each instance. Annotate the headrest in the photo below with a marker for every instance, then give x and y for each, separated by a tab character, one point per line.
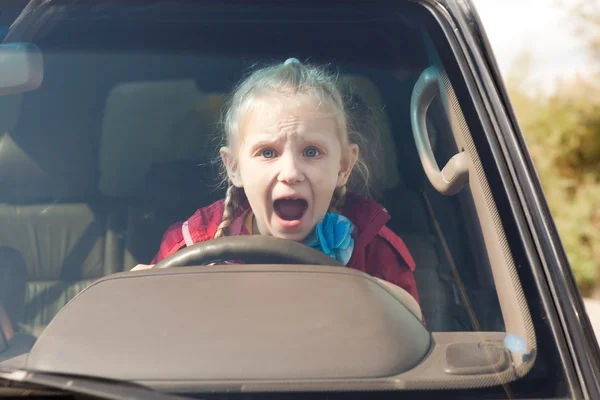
369	94
154	122
54	176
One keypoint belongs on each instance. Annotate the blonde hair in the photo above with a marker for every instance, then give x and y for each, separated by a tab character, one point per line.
291	78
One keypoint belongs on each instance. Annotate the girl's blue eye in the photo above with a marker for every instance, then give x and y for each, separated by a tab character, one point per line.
311	152
268	153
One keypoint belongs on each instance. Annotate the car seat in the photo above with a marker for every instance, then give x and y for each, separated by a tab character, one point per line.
55	228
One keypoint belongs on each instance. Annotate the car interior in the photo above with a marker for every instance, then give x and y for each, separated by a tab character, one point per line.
120	141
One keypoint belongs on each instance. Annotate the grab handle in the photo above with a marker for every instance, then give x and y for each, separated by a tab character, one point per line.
455	174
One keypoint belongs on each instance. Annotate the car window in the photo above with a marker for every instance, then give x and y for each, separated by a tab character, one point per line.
121	141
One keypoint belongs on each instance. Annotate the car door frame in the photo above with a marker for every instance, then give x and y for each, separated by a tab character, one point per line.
562	301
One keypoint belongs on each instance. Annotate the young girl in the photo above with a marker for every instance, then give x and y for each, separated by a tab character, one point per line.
288	154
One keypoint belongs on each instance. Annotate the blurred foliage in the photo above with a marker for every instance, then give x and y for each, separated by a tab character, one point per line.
562	130
587	14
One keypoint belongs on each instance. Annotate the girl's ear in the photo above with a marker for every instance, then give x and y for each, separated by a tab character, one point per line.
348	161
232	166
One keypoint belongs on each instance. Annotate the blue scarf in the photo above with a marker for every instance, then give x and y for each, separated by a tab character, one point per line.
333	236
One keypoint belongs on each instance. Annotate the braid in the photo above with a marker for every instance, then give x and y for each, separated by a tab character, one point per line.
338	199
230	205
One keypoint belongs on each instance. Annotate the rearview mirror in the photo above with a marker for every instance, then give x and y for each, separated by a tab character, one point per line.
21	68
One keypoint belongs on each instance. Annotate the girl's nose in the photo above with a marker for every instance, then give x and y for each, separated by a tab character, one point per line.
290	169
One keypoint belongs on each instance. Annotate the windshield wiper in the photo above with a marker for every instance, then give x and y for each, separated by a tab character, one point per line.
96	387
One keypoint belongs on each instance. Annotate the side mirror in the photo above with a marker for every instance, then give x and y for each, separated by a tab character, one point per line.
21	68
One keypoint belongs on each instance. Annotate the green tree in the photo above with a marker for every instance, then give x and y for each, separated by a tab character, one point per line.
562	130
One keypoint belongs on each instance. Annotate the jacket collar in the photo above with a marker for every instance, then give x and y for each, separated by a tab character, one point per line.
367	216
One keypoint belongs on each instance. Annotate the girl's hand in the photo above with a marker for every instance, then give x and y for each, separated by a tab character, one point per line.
141	267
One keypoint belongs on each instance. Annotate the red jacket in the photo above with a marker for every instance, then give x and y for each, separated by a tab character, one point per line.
377	250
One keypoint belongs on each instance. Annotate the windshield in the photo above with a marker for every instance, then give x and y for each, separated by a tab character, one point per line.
158	126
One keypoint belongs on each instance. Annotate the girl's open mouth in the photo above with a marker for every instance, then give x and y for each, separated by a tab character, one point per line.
290	209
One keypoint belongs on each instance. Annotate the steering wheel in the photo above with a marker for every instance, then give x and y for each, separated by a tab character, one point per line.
255	249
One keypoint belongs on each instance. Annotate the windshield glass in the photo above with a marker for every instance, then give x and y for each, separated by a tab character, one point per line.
158	126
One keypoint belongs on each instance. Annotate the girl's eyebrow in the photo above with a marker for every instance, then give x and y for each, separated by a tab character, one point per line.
314	138
306	138
268	140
